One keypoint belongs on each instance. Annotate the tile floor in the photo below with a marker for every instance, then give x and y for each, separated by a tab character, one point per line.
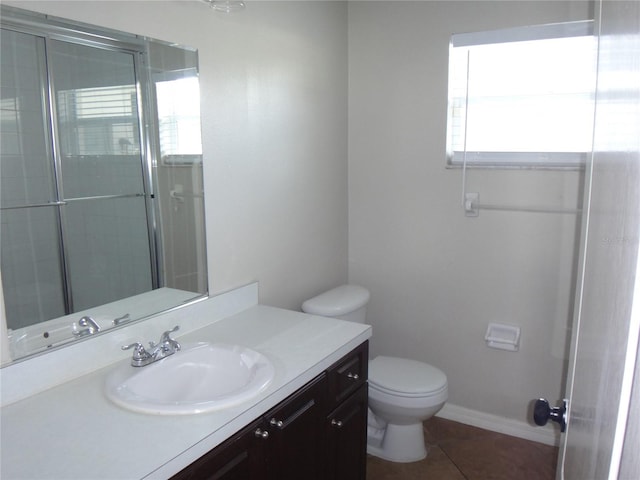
462	452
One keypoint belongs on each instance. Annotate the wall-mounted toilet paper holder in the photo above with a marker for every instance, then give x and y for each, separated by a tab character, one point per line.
503	337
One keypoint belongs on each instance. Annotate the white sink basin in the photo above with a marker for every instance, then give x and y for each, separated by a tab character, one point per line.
199	378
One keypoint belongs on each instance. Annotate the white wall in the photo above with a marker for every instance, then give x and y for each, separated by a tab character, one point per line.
437	277
274	84
274	108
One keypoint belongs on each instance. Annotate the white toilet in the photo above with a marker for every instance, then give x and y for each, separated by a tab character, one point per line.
402	393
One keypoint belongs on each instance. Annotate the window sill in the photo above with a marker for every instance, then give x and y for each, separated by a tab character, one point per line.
518	160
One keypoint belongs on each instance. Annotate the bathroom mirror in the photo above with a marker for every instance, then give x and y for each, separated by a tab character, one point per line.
102	201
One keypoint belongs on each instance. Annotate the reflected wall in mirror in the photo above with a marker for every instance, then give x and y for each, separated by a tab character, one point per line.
102	201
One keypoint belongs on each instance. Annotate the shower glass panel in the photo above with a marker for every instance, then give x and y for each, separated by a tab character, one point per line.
97	118
29	218
31	268
105	220
108	249
75	223
26	164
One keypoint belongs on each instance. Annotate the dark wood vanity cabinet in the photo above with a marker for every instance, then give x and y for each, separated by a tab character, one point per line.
347	438
346	423
318	433
240	457
293	439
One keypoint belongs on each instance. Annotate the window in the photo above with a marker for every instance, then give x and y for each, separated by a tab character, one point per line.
99	120
179	119
522	97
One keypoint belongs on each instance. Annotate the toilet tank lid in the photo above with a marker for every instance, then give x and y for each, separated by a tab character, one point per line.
337	301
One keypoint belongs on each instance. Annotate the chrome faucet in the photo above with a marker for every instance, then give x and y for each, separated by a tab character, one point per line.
165	347
90	325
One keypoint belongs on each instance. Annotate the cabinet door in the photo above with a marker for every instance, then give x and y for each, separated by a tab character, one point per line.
347	438
241	457
348	374
296	440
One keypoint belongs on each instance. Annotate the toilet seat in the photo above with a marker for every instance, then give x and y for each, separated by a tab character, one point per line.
406	378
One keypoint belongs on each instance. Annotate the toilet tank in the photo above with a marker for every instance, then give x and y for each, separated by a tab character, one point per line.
346	302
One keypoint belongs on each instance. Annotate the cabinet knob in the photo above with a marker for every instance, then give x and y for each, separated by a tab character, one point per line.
336	423
353	376
276	423
261	433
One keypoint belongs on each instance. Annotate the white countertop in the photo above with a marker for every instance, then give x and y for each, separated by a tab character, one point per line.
72	431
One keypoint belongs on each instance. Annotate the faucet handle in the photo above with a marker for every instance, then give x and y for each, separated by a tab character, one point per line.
139	353
167	342
166	336
174	329
90	323
125	318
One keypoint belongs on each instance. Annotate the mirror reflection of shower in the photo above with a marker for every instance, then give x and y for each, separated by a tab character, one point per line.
102	198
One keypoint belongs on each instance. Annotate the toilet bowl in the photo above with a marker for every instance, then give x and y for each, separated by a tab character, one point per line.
402	392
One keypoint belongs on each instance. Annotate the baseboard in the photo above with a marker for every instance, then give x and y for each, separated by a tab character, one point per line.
495	423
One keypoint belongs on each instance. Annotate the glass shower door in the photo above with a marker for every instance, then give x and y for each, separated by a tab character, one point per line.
32	274
76	224
105	223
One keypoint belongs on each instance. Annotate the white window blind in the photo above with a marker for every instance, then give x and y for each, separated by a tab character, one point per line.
522	96
99	120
